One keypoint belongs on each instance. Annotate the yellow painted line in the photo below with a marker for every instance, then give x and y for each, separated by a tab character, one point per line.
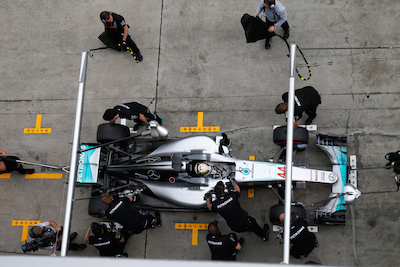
5	176
25	224
44	176
195	227
200	128
250	191
37	128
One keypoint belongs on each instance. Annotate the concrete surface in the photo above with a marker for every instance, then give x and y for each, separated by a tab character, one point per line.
196	60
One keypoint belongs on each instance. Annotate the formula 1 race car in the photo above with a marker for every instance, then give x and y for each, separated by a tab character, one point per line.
174	174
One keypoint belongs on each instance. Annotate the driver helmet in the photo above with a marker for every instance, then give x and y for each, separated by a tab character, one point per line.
203	168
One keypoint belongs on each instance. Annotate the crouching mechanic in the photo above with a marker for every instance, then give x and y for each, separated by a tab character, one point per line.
132	111
228	206
223	247
302	240
117	32
119	209
50	229
109	244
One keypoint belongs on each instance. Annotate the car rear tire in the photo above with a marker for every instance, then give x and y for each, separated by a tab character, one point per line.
108	132
300	135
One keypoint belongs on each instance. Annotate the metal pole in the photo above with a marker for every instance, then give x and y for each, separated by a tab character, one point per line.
74	155
289	157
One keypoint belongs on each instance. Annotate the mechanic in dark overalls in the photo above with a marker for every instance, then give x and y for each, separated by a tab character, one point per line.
9	164
119	209
223	247
109	244
306	100
117	32
132	111
302	240
228	206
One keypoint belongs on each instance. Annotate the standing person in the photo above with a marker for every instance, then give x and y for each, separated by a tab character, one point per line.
117	31
51	229
228	206
109	244
132	111
119	209
9	164
302	240
306	100
223	247
276	16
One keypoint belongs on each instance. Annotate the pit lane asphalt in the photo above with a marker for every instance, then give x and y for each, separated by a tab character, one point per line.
196	60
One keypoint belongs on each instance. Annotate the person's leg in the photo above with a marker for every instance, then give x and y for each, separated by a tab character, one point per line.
269	34
254	227
286	28
134	48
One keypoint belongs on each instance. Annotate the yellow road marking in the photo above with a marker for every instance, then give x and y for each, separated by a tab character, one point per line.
38	128
44	176
200	127
25	224
195	227
5	176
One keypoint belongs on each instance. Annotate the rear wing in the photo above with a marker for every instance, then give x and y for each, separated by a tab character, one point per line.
88	164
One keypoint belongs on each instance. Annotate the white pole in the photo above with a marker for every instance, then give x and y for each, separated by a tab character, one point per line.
289	157
74	155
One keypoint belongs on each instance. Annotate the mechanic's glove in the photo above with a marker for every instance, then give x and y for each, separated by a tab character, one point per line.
231	178
123	46
229	186
208	196
112	225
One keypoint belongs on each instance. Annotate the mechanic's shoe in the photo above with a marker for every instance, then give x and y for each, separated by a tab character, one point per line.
286	35
158	218
267	43
72	236
139	57
389	165
266	230
310	120
122	255
136	127
81	247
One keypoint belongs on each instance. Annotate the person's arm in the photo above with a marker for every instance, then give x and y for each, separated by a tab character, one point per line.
52	223
130	197
280	10
87	233
259	8
236	187
125	33
238	246
209	206
122	240
296	123
142	118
